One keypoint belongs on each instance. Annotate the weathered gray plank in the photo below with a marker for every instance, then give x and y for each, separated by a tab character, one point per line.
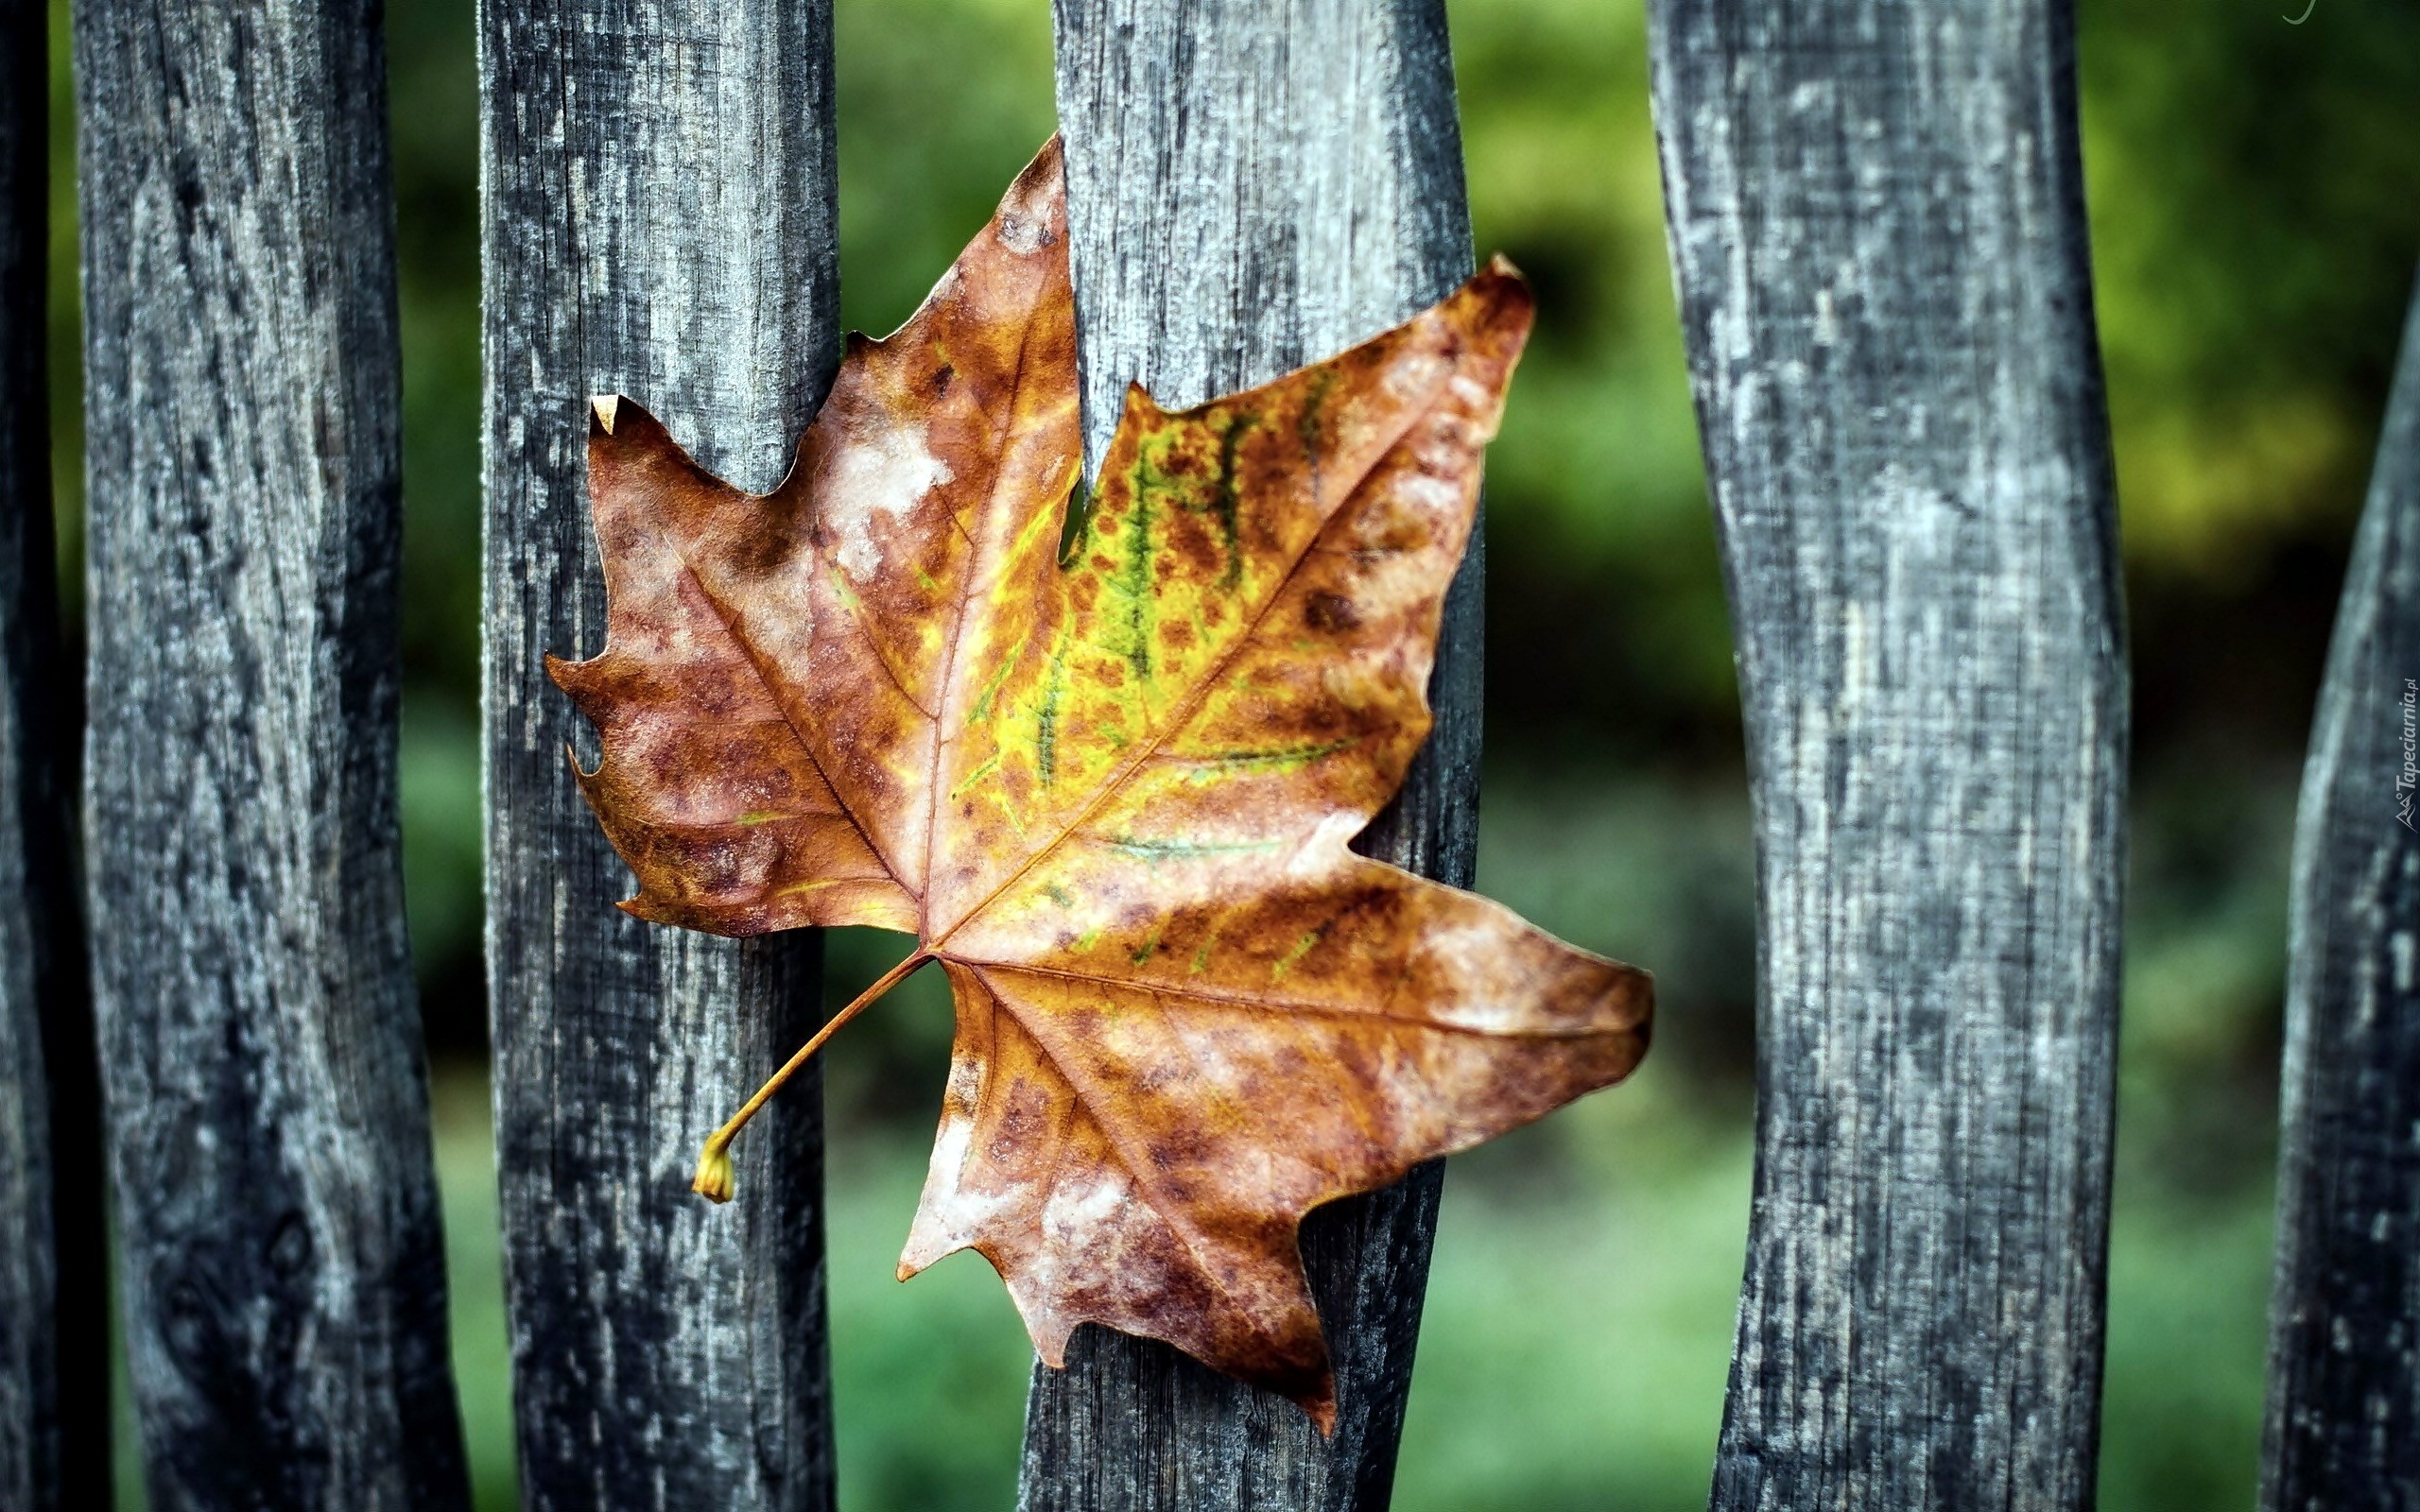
2344	1430
1877	228
659	221
1251	189
53	1383
282	1273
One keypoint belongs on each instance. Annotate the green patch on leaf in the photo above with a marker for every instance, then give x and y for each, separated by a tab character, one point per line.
1155	850
1300	948
1286	759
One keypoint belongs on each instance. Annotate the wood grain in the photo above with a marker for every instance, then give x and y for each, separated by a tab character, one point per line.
54	1337
1877	228
1251	190
280	1267
658	201
2343	1428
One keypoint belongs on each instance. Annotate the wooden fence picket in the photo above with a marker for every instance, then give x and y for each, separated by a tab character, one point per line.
658	184
1877	228
54	1376
1250	190
282	1273
2343	1427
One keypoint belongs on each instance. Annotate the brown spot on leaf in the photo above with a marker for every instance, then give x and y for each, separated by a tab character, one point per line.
1330	613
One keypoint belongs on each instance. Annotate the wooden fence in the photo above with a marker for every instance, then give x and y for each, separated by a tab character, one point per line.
657	205
1876	216
1876	227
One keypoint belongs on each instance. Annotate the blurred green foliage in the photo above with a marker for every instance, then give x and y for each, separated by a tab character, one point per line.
2252	189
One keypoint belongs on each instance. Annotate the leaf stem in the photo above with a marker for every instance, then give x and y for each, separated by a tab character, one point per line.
713	1177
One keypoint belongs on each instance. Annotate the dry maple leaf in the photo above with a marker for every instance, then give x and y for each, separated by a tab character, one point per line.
1108	785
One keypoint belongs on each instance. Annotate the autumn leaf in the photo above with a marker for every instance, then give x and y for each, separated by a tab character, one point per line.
1106	775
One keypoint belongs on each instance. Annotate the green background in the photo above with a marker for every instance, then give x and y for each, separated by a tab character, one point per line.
2254	194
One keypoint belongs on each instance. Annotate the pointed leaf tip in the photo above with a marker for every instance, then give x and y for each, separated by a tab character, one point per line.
1322	1414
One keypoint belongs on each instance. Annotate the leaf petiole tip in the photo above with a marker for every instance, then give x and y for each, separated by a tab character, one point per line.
713	1180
